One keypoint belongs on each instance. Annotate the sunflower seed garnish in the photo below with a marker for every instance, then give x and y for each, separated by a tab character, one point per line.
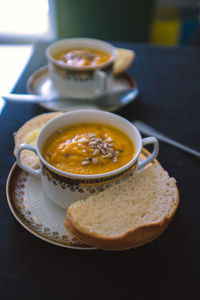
95	160
91	135
85	162
83	140
103	147
96	152
109	139
88	159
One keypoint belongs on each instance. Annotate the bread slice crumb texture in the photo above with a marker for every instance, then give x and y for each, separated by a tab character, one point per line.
149	197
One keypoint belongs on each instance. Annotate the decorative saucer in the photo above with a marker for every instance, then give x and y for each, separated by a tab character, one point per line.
39	83
36	213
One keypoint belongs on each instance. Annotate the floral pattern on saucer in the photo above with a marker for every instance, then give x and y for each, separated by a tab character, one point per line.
35	212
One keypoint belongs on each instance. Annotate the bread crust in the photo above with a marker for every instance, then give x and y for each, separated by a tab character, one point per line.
124	59
29	158
134	238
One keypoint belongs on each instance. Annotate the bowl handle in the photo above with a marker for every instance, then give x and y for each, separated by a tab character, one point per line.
101	78
23	166
153	155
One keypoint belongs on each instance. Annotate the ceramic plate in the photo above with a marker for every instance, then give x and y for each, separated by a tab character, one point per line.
36	213
39	83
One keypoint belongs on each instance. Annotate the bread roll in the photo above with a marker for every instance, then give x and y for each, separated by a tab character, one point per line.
128	214
28	134
124	59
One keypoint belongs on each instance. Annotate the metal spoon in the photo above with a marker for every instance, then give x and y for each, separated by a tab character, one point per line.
146	129
108	100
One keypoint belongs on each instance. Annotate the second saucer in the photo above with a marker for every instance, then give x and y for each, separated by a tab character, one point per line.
39	83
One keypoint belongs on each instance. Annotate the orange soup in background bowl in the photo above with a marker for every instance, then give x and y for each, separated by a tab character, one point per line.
84	152
80	67
82	57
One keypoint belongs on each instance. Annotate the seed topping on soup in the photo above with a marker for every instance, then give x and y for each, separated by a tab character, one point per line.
88	149
100	147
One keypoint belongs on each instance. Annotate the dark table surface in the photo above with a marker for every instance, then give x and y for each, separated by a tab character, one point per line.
169	268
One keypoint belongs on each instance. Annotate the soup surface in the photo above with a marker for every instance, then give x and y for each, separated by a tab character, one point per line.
88	149
82	57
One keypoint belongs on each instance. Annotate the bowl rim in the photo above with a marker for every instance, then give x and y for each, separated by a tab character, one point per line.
90	176
86	68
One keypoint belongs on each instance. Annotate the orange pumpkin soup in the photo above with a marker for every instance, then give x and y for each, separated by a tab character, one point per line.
82	57
88	149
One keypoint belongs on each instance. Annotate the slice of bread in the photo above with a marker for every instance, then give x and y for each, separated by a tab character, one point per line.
128	214
28	134
123	60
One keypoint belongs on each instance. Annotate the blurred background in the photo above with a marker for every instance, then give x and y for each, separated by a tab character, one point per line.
24	22
163	22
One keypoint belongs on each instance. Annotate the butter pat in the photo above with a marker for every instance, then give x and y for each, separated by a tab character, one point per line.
32	137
